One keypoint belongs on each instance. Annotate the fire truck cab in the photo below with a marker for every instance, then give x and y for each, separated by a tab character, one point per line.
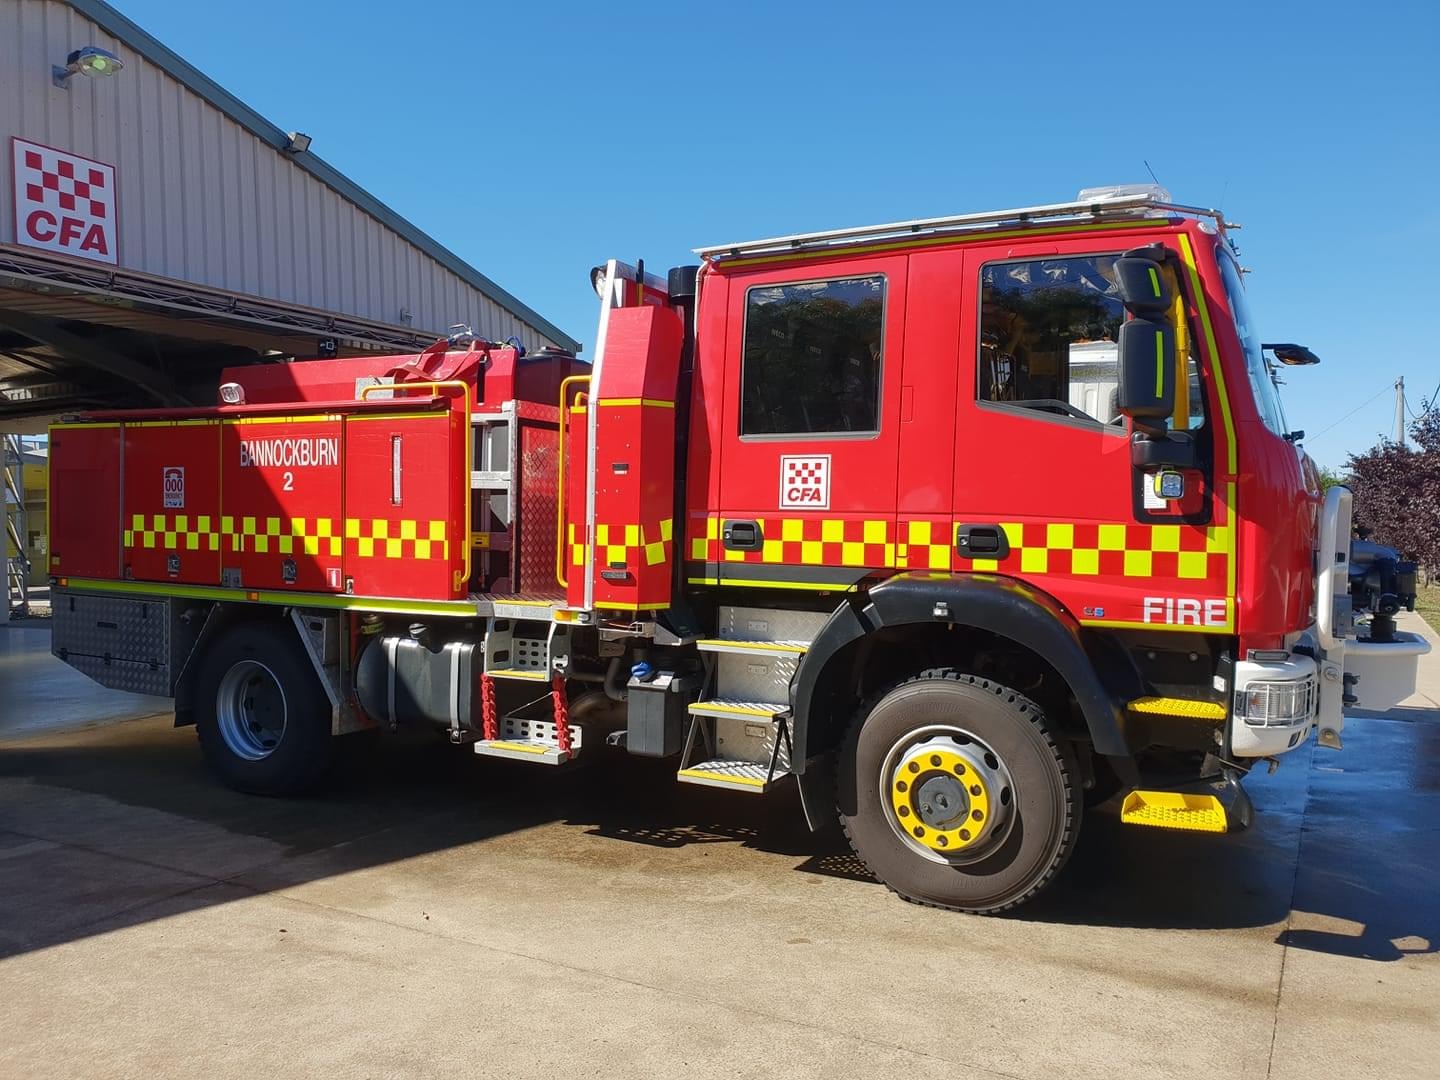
954	526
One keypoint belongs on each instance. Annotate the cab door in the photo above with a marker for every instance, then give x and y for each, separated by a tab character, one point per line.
1045	488
813	359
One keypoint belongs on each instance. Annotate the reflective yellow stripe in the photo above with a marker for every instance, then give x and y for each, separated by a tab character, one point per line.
1198	292
315	418
1159	363
432	414
724	778
170	423
1231	450
636	401
270	596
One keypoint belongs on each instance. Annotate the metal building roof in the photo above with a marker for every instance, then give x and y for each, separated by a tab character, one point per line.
116	24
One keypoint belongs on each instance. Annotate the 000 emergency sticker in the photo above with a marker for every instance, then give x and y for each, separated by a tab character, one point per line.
805	481
174	487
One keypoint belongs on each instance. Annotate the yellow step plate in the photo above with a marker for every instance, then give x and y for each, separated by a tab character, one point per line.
1169	706
1174	810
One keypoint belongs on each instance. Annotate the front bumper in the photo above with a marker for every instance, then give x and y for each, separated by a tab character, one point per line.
1278	702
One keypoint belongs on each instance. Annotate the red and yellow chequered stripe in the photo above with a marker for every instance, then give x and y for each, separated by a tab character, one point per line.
367	538
1079	549
616	545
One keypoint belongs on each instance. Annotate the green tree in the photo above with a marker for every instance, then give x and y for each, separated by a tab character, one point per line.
1397	491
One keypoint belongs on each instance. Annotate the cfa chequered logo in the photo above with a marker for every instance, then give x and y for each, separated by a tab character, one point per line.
805	482
64	202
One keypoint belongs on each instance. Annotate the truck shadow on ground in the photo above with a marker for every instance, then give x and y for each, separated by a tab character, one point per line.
138	791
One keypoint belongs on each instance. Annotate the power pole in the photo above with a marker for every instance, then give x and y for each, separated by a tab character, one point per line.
1400	411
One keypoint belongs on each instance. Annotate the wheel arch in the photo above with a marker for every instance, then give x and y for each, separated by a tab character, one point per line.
924	604
219	618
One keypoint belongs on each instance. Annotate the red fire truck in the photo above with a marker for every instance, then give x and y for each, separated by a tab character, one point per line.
964	524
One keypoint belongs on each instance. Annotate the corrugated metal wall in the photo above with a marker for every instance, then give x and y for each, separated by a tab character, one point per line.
203	200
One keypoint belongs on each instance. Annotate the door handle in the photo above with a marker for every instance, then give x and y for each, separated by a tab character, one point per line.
981	542
741	536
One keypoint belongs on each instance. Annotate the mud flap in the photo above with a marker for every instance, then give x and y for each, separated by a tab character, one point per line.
817	791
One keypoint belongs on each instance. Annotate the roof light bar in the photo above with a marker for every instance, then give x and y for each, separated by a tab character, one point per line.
1111	203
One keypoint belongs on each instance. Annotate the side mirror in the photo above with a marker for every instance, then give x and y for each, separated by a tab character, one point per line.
1144	287
1293	355
1146	364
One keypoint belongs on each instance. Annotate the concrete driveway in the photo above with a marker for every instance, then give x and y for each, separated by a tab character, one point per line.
436	914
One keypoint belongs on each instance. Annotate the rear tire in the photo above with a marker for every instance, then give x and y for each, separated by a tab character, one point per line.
957	793
261	714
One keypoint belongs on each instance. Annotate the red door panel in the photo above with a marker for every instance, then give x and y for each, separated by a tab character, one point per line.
1061	488
810	427
85	533
282	502
171	511
405	527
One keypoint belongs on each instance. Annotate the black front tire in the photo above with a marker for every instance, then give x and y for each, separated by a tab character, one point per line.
1044	820
296	750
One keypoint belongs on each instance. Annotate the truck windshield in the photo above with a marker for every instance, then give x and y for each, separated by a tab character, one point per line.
1262	383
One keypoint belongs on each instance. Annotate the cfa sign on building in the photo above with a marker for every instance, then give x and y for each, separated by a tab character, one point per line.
63	202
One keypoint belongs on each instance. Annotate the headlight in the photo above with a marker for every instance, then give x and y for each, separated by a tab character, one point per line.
1276	704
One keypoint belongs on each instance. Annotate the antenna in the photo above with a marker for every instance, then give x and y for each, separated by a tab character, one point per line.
1151	172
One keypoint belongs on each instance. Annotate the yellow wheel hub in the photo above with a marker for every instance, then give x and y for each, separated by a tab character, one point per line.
941	798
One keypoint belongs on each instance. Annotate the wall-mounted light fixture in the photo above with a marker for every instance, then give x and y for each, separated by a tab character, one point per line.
297	142
90	61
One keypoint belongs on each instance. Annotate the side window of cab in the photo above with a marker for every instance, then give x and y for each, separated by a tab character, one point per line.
812	360
1048	339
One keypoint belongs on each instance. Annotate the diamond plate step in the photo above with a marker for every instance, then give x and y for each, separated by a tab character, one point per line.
731	707
736	775
752	648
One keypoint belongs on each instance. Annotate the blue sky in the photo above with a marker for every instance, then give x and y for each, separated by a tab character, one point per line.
587	131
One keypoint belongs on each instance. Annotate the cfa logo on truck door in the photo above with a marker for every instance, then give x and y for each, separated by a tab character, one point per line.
63	202
805	482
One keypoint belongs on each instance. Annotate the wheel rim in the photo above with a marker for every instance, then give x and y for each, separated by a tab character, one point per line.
251	711
948	796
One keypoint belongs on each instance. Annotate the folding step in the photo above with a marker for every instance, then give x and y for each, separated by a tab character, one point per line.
1175	810
529	650
741	745
535	741
732	707
751	648
532	674
737	775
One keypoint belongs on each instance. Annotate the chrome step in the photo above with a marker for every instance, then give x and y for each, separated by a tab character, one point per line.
730	708
736	775
753	648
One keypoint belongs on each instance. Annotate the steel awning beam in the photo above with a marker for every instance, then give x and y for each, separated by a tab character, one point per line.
73	346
